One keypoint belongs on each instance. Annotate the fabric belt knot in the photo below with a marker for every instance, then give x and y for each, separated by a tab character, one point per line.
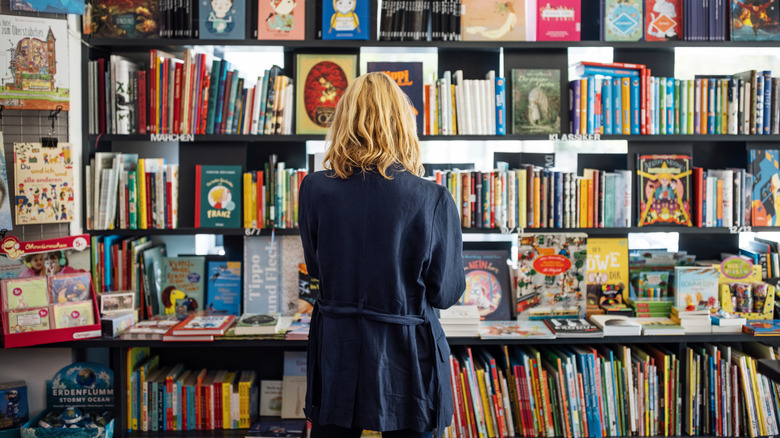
341	309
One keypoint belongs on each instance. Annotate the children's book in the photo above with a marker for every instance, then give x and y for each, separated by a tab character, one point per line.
663	20
152	265
345	19
203	324
617	325
275	428
182	287
551	276
514	330
217	196
281	20
573	328
49	6
262	276
755	20
43	180
763	165
558	20
494	20
270	398
622	20
696	288
131	19
660	326
293	384
664	189
320	82
607	272
222	19
487	284
536	101
223	291
408	76
762	327
78	314
25	293
5	193
28	320
13	405
308	288
69	288
252	324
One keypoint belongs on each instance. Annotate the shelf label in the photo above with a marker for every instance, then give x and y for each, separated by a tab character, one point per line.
741	229
252	231
575	137
183	138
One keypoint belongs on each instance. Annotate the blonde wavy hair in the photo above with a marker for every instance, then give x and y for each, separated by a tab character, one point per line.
373	128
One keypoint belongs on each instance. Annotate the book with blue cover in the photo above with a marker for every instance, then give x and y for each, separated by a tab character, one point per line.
408	76
345	20
622	20
222	19
223	289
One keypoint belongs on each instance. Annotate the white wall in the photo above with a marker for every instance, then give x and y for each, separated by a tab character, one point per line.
34	366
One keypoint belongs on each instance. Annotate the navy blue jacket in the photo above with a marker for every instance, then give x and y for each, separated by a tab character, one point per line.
386	253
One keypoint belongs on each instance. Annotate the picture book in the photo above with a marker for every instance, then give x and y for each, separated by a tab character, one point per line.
623	20
262	276
514	330
660	326
68	288
275	428
222	19
13	404
131	19
281	20
664	187
536	101
150	330
117	302
35	64
203	324
408	76
5	192
607	272
755	20
253	324
182	286
223	291
558	20
320	82
43	180
217	196
573	328
308	288
270	398
152	259
44	257
25	293
696	288
551	275
663	20
494	20
293	384
487	284
345	19
28	320
49	6
765	206
79	314
762	327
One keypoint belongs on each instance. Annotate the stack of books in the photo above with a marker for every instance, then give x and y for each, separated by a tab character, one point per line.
651	307
460	321
727	323
617	325
692	321
199	327
660	326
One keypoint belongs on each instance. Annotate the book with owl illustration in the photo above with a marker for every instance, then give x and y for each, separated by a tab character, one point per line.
536	101
322	80
493	20
550	275
345	19
487	284
222	19
281	20
664	186
43	183
217	196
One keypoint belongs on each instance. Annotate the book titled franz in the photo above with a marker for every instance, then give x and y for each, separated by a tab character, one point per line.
217	196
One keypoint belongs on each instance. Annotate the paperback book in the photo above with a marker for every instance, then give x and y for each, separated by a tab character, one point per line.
664	186
487	284
536	101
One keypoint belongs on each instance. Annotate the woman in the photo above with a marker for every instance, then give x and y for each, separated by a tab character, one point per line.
385	245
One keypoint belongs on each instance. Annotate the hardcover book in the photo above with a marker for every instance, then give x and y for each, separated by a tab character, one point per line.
755	20
607	272
182	287
663	20
49	6
13	405
253	324
43	178
217	196
308	288
763	165
623	20
321	79
345	19
573	328
514	330
281	20
262	277
5	193
408	76
222	19
131	19
664	186
487	284
696	288
203	324
536	101
551	276
558	20
495	20
223	291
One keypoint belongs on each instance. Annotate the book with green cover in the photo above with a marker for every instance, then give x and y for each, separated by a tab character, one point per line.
536	101
182	286
218	196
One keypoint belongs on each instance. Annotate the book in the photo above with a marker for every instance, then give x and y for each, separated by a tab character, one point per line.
293	384
558	20
499	21
25	293
5	193
275	428
132	19
151	330
607	272
536	101
514	330
270	398
617	325
762	327
696	288
664	186
28	320
408	76
754	21
43	181
203	324
68	288
663	20
573	328
263	280
623	20
182	285
281	20
254	324
13	404
487	283
660	326
308	289
77	314
763	165
345	20
223	290
217	196
222	19
322	80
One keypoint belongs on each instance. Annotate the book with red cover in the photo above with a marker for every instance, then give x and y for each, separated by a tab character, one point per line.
698	196
203	324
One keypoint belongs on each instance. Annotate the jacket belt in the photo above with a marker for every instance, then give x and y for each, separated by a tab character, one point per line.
341	309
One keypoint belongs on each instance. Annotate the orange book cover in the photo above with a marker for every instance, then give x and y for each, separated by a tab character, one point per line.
465	199
584	106
537	200
704	109
589	191
427	103
583	207
260	201
625	91
719	202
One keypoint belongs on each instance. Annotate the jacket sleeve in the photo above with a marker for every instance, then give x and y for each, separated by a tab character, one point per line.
308	229
444	277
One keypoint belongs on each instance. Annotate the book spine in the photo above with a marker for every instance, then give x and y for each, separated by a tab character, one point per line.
635	105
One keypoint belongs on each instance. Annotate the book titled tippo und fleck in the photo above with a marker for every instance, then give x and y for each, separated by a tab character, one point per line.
217	196
536	101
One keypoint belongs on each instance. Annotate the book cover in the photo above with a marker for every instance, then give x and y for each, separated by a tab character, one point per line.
254	324
25	293
223	291
607	272
696	288
765	206
536	101
68	288
78	314
270	398
203	324
345	19
28	320
308	288
408	76
43	178
222	19
182	286
755	20
13	404
281	19
663	20
558	20
294	384
132	19
487	284
514	330
217	196
572	328
551	275
277	428
495	20
623	20
664	186
49	6
322	80
262	277
35	67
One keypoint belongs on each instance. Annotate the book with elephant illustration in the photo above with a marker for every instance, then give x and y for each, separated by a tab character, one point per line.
182	285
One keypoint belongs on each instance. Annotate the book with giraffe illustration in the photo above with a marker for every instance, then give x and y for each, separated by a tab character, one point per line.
182	286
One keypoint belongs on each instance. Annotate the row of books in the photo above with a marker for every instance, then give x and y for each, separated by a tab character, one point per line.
721	197
532	197
763	252
192	95
126	192
457	106
271	196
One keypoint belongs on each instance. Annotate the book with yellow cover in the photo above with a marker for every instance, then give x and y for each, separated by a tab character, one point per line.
607	272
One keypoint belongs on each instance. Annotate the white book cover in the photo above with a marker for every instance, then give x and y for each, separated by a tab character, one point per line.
446	124
89	188
468	97
512	199
113	191
256	106
627	196
460	107
122	201
491	110
289	112
733	103
103	160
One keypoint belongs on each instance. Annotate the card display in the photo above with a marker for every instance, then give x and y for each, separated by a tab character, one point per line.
73	314
21	293
71	288
28	320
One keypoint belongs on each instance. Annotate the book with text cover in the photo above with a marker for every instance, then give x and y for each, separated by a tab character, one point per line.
43	183
763	165
182	286
345	19
558	20
622	20
696	288
263	283
222	19
408	76
494	20
254	324
664	186
663	20
294	384
281	20
487	283
217	196
223	289
607	272
536	101
321	81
